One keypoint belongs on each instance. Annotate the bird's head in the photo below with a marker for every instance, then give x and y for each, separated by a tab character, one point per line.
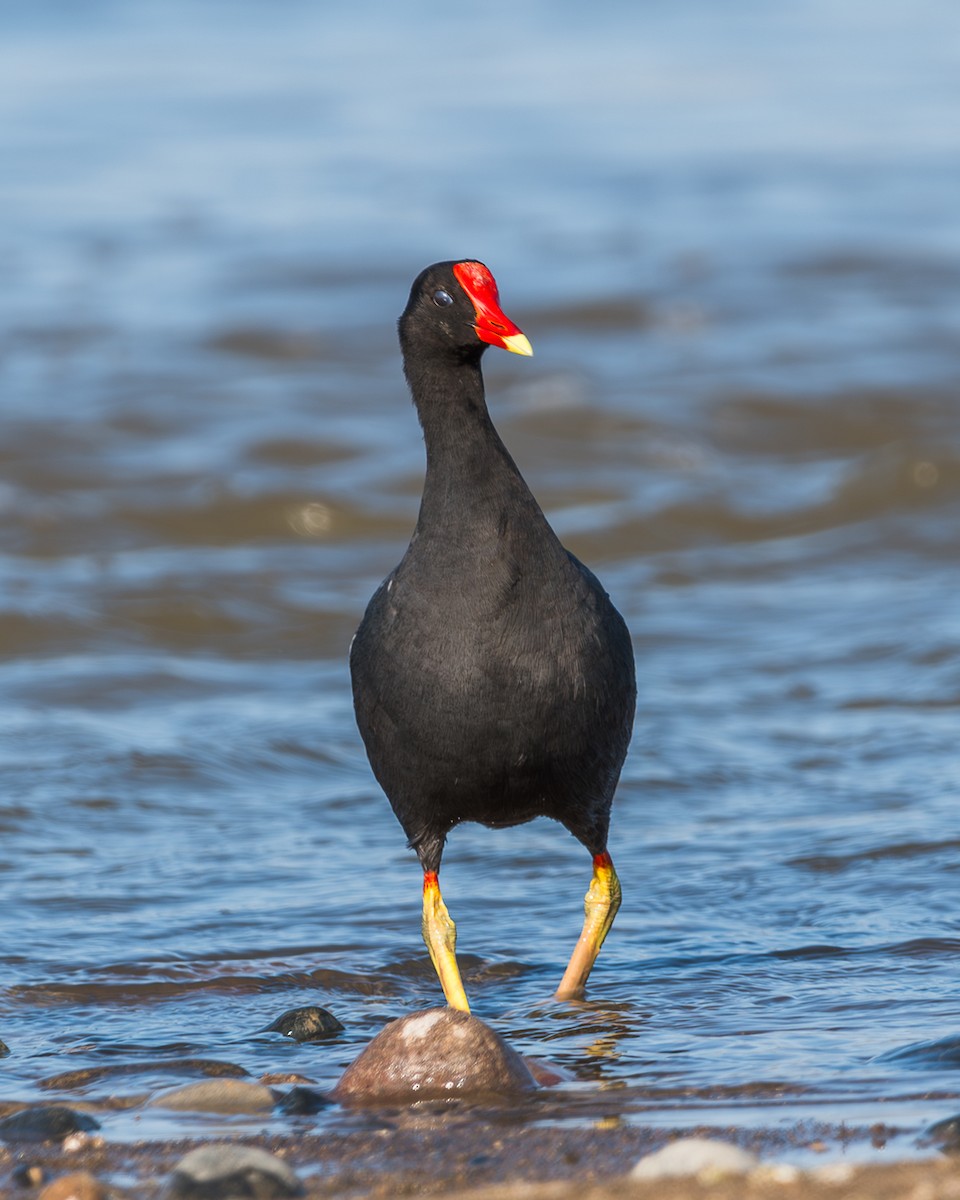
454	309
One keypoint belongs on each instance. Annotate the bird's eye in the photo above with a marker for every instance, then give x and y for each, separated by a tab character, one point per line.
442	299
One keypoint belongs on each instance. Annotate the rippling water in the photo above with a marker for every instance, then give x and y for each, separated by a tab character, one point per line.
734	241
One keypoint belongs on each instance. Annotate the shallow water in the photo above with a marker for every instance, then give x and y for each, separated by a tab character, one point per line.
735	245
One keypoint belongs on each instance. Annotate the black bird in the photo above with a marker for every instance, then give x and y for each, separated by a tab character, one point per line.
493	679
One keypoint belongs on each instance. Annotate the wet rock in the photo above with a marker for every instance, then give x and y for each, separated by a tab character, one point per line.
308	1024
440	1052
703	1157
217	1096
946	1134
4	1048
301	1101
69	1080
78	1185
228	1171
49	1123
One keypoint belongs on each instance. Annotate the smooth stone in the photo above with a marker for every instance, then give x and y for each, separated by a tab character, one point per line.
78	1185
46	1123
440	1052
308	1024
703	1157
222	1171
217	1096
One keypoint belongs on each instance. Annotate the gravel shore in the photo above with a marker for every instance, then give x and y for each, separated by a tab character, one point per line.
438	1156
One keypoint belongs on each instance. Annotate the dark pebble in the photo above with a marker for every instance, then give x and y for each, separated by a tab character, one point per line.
29	1175
301	1101
45	1124
308	1024
440	1052
229	1171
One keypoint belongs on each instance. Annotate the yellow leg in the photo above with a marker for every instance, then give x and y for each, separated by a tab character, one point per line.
440	934
600	907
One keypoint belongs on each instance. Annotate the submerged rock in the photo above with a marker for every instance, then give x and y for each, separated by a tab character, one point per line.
222	1171
307	1024
946	1134
217	1096
70	1080
703	1157
46	1123
301	1101
440	1052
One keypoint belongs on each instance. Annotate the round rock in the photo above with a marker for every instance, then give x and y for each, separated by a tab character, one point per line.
217	1096
222	1171
45	1123
440	1052
702	1157
308	1024
78	1185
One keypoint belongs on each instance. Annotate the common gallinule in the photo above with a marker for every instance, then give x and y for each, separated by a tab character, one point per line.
493	679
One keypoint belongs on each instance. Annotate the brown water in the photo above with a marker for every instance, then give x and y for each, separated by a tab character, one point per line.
734	241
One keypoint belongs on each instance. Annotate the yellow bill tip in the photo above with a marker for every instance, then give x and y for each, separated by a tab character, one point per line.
518	343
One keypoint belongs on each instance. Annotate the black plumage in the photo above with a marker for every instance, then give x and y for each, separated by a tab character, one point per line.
493	679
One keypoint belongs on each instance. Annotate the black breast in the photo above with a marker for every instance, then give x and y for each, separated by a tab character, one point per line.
494	682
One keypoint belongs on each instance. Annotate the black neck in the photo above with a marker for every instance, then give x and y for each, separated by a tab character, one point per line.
465	456
452	408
